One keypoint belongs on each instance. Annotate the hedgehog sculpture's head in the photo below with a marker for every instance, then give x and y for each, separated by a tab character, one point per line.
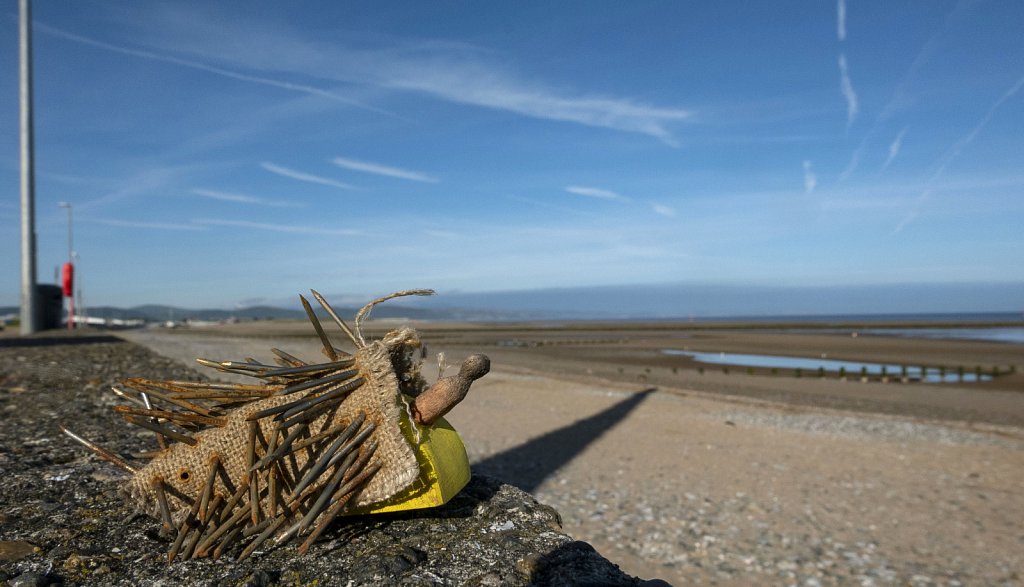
407	353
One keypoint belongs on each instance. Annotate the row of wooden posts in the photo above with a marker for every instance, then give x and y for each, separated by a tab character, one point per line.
905	373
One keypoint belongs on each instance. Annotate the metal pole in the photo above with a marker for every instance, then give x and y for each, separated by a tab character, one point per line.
30	314
79	303
71	248
71	261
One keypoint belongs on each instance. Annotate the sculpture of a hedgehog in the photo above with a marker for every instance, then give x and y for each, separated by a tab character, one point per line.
285	457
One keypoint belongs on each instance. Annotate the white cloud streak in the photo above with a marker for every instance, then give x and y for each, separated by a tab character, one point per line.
306	177
894	148
853	164
599	193
306	89
243	198
846	86
289	228
145	225
967	139
663	210
810	180
387	171
147	181
445	234
954	151
492	89
841	19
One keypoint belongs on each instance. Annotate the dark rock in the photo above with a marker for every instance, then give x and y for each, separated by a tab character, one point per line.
489	534
576	563
261	579
31	580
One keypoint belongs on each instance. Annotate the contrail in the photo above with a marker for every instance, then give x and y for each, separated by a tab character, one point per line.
847	88
841	19
810	180
894	148
385	170
43	28
954	151
923	56
302	176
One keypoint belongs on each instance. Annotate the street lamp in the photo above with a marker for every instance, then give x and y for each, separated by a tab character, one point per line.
69	270
31	317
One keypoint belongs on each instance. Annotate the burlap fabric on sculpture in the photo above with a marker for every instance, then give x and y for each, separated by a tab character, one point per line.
186	468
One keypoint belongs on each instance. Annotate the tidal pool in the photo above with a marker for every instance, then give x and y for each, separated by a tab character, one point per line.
851	368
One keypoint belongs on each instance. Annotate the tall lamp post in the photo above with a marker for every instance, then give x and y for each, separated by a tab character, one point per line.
68	277
30	315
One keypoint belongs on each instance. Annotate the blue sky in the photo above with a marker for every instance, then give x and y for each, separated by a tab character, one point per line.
231	153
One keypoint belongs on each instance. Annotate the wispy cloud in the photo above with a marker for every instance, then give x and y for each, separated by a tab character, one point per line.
914	212
847	88
146	181
290	228
145	225
493	89
967	139
899	98
841	19
445	234
385	170
592	192
548	205
455	72
954	151
810	180
243	198
236	75
306	177
663	210
853	164
894	148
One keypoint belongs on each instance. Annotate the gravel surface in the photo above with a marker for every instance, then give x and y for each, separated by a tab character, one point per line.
698	491
699	488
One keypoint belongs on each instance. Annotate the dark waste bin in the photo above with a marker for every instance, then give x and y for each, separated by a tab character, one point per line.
51	305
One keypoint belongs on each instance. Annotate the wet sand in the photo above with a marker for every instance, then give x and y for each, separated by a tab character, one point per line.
624	353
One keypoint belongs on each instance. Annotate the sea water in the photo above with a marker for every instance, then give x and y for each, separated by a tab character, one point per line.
1008	334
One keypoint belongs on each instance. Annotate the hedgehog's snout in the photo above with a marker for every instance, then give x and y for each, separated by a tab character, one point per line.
449	391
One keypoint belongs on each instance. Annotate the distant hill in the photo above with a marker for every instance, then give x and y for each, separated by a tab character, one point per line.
161	313
664	301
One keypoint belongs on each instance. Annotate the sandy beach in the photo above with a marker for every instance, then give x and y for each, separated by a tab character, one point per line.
705	477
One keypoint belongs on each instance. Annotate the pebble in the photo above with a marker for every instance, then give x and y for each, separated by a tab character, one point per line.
15	550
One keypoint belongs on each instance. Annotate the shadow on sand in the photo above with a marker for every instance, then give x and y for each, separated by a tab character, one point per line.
528	465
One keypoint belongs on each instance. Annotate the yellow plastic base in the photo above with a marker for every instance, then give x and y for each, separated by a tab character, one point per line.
444	469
